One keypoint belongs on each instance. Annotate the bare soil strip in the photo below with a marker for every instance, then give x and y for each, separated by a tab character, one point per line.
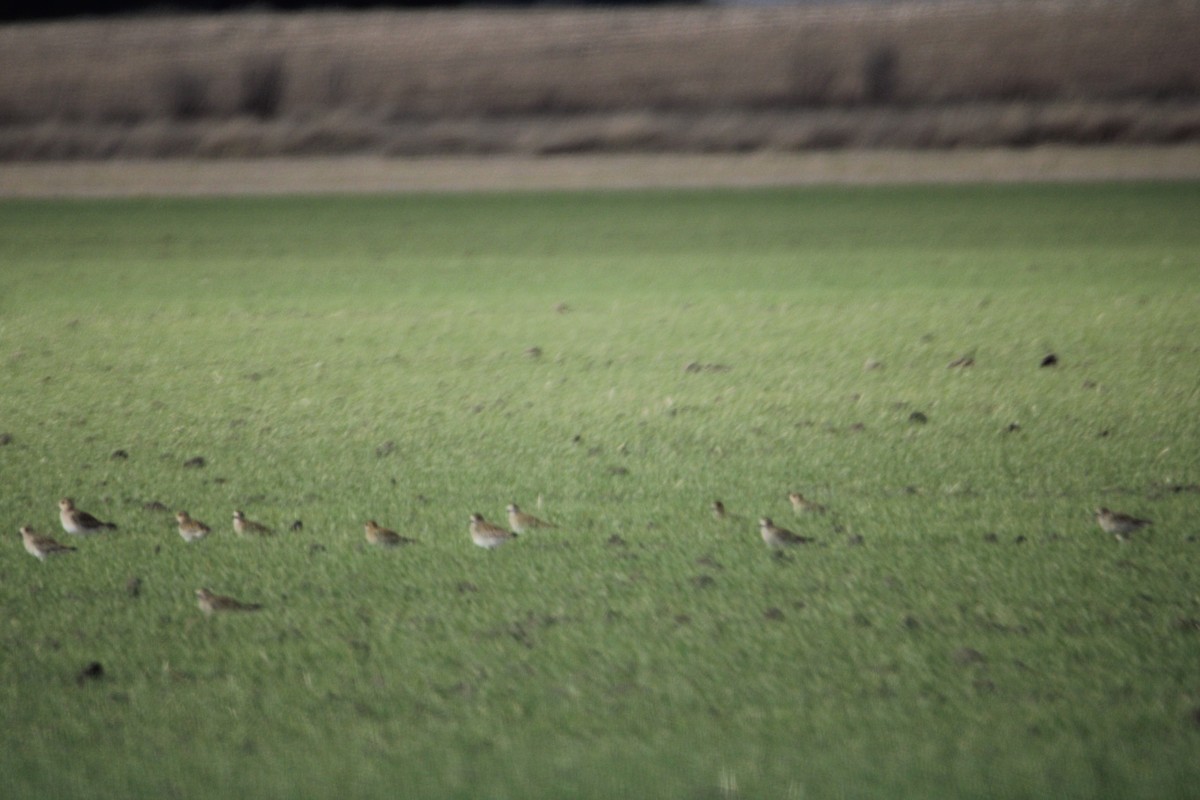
497	173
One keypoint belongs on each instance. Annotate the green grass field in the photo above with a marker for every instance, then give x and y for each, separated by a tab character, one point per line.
340	359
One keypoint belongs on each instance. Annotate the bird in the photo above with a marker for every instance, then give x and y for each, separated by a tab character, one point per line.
1119	525
802	505
40	546
210	603
776	537
520	522
384	537
244	526
192	530
487	535
721	514
80	523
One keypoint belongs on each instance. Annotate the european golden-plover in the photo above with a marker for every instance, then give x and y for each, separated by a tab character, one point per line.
80	523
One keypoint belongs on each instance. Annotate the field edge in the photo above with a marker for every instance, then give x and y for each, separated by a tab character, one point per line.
351	175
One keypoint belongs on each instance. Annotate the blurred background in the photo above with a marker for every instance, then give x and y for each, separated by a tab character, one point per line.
99	80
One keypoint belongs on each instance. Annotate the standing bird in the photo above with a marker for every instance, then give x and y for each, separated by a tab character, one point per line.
192	530
520	522
802	505
210	603
384	537
485	534
40	546
1119	525
80	523
244	527
777	538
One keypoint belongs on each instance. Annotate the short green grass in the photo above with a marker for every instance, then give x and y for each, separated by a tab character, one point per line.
340	359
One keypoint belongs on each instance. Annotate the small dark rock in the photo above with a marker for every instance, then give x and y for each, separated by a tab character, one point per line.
1020	539
1013	427
683	619
911	622
533	352
703	581
297	526
918	417
1051	360
133	586
92	672
5	438
119	455
773	613
615	541
1104	433
195	463
991	538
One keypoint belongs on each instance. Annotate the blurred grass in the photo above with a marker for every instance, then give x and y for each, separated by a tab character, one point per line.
559	80
344	358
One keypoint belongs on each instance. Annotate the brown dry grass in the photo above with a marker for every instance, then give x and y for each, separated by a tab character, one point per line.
550	81
635	171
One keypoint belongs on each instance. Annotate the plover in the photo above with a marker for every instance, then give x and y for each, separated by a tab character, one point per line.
210	603
485	534
80	523
246	527
520	522
384	537
776	537
192	530
1119	525
802	505
40	546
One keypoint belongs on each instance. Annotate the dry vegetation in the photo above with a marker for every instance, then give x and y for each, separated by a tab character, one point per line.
566	81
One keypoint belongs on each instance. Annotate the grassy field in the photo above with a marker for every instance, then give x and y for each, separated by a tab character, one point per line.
345	358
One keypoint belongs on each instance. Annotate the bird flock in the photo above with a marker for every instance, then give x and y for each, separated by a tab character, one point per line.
484	534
